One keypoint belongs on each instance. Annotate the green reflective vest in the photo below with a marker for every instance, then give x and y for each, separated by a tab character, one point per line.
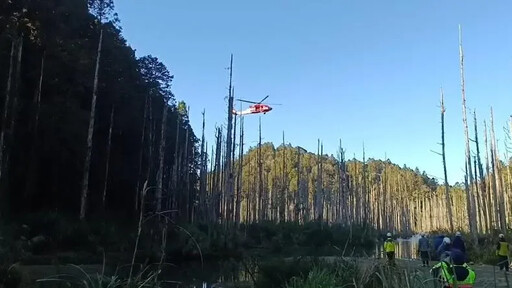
389	246
502	249
448	275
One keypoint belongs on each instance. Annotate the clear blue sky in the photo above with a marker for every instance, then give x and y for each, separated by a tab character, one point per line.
360	71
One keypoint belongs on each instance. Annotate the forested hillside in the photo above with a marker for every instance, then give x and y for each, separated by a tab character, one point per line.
85	125
82	117
297	185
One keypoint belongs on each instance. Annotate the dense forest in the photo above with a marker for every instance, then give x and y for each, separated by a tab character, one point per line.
90	130
85	123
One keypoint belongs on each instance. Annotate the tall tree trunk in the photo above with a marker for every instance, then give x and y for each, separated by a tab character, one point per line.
141	154
298	196
493	215
186	170
477	200
240	174
284	187
202	174
260	176
446	186
5	150
322	190
109	143
218	173
228	171
481	178
234	171
151	144
365	191
90	132
469	194
317	196
161	155
6	108
499	190
174	177
16	95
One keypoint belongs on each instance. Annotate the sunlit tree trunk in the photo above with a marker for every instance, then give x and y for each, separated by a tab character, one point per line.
240	173
469	175
497	175
481	180
491	197
90	132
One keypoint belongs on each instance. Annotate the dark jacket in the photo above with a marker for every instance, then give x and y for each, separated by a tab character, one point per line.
444	251
458	243
423	245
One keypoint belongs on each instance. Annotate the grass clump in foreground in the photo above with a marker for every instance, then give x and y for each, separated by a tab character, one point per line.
341	273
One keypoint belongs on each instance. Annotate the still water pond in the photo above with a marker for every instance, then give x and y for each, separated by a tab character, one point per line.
224	273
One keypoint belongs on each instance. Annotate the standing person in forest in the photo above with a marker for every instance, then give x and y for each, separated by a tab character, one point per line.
389	248
502	251
424	250
444	249
458	243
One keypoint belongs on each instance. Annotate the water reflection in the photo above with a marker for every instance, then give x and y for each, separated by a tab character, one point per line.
209	275
404	249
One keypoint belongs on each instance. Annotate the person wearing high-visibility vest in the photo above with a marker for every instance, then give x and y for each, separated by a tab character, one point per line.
502	251
389	249
454	272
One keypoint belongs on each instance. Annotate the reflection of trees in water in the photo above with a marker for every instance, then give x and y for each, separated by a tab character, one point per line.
405	248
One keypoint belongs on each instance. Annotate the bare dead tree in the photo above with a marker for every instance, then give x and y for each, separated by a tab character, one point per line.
228	171
202	171
496	167
481	178
491	184
240	174
471	207
446	186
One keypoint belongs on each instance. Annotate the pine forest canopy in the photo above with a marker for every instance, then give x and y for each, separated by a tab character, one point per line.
86	126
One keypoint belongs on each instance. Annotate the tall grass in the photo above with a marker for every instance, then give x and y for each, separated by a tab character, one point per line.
355	274
146	278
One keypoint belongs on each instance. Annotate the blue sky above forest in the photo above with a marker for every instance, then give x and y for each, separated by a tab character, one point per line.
360	71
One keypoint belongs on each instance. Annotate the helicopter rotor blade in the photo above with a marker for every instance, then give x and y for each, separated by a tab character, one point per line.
246	101
263	99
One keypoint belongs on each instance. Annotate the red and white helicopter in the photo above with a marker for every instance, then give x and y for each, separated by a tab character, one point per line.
256	108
